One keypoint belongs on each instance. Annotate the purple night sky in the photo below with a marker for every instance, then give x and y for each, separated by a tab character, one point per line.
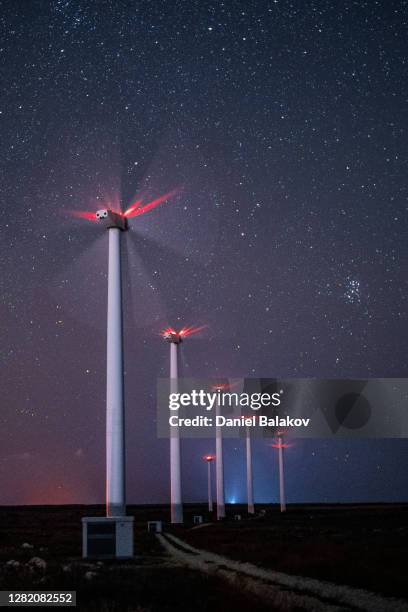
282	125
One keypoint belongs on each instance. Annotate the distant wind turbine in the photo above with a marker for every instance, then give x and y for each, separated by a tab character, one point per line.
281	445
176	502
209	459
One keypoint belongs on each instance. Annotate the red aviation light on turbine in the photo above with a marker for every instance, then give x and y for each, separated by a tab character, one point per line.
171	335
280	443
224	386
208	458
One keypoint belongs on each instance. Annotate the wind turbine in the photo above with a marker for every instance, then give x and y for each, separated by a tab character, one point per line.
249	475
219	463
219	469
116	222
176	502
281	445
209	459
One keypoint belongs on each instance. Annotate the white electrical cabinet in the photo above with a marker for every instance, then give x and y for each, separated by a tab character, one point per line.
107	537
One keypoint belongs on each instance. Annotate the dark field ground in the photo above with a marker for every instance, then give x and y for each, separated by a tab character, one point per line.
362	546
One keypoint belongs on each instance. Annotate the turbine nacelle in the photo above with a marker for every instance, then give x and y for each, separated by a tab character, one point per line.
109	218
172	336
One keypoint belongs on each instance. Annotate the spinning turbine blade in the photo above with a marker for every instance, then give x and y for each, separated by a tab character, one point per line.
142	296
187	331
83	281
135	210
152	255
132	208
83	214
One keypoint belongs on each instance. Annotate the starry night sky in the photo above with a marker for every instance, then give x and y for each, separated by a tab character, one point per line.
283	126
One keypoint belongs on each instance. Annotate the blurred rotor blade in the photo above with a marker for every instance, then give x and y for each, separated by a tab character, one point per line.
135	212
80	290
132	208
169	270
187	331
143	305
82	214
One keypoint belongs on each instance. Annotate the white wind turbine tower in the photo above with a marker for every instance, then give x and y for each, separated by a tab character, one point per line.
115	409
176	501
113	535
209	459
249	474
219	470
219	461
281	445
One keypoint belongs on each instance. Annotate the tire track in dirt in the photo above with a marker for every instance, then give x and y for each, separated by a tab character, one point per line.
283	591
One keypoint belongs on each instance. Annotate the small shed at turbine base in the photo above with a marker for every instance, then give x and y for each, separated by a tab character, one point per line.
107	537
